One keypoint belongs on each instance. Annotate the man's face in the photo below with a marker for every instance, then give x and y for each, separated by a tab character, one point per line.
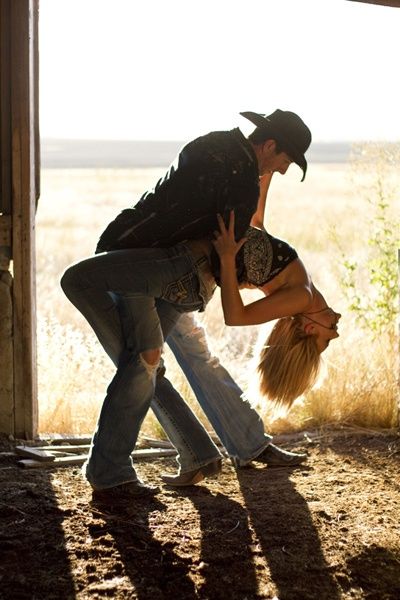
271	161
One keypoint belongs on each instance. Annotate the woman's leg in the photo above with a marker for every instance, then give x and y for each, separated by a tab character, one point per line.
236	423
194	445
176	418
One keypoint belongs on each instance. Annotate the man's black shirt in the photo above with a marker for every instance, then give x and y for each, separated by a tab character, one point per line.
212	174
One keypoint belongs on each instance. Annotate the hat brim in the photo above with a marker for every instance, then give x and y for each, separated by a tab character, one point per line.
264	123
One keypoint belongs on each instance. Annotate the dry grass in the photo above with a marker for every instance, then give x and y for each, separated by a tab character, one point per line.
360	381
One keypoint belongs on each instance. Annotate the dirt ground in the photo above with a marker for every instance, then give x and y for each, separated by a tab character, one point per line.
328	530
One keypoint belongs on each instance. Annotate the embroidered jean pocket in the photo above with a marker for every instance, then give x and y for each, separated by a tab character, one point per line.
185	291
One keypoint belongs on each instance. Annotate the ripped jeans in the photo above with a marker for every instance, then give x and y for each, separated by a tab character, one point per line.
237	424
131	299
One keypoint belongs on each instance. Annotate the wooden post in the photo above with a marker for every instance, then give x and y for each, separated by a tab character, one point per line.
19	187
6	341
23	176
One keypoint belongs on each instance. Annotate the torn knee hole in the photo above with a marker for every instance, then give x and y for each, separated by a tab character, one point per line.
196	331
151	357
199	334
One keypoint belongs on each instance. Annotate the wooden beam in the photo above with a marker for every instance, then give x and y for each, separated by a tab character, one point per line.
393	3
23	175
35	83
5	108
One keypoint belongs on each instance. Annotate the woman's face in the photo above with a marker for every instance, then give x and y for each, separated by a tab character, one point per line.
324	325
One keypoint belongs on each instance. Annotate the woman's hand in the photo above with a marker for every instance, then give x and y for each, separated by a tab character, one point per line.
224	242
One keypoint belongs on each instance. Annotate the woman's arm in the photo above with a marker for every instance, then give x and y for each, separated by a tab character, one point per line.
227	248
258	217
286	301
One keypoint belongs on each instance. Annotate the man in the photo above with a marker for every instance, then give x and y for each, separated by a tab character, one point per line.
215	173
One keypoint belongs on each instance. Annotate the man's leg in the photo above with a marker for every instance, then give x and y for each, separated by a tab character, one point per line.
140	276
132	388
133	324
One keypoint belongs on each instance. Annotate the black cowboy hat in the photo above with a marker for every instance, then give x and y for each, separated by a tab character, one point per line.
292	134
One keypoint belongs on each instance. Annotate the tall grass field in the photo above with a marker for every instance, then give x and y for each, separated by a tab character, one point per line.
330	219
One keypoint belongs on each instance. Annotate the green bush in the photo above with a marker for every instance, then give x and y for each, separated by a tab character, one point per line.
371	285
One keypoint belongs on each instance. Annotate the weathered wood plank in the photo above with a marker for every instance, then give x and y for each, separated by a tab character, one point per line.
64	448
6	343
36	129
60	438
393	3
23	73
34	453
6	354
79	460
5	108
29	463
5	243
5	230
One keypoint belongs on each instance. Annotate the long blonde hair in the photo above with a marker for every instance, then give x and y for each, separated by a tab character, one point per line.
289	362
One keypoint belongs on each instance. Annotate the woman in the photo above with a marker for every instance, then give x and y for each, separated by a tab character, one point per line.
290	359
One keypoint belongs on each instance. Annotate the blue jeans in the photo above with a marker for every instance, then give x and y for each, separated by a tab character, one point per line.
237	424
132	299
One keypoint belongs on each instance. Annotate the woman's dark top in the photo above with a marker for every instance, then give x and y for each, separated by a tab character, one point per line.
263	257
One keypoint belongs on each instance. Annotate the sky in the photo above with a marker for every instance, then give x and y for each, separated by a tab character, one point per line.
175	69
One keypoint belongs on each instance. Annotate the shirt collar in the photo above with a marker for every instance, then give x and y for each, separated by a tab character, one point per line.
245	144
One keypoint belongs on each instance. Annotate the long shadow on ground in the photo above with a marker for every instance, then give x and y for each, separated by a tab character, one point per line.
153	567
287	536
28	511
226	560
378	570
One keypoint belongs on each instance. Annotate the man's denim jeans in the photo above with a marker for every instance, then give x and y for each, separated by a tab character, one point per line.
236	423
132	299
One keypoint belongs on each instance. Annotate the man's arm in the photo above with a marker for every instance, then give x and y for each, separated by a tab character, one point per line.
258	217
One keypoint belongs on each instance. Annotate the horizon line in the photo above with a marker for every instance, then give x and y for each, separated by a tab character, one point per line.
182	141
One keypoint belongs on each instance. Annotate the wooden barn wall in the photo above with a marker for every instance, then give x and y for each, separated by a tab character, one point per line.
19	145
